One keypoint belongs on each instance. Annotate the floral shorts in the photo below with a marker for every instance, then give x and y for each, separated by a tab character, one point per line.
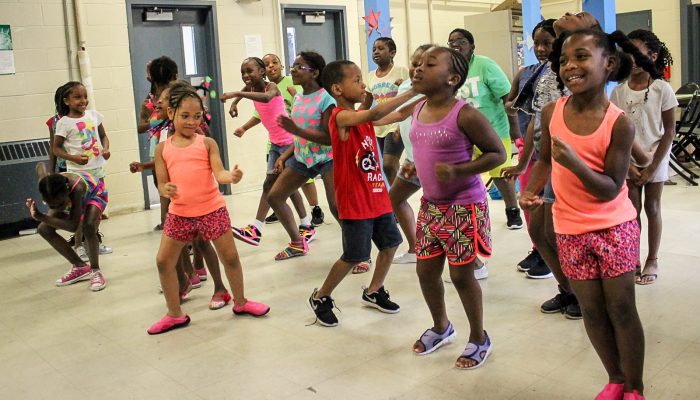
207	227
603	254
458	231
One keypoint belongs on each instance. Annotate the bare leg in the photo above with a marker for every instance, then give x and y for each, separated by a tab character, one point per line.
205	248
287	183
399	194
381	269
430	278
470	293
56	241
591	298
652	208
310	193
168	255
329	186
228	254
551	244
634	193
91	222
391	166
507	189
335	276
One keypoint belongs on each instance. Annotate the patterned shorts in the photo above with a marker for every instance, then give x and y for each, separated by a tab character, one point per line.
459	231
206	227
603	254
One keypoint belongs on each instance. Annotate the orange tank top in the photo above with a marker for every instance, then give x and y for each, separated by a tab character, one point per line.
189	169
575	210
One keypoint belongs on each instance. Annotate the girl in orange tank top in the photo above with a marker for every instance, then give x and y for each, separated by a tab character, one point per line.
189	171
586	147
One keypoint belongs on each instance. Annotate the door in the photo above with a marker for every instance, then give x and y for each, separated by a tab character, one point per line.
627	22
188	36
319	29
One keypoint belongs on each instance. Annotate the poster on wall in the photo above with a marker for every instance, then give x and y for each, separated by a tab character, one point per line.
253	46
7	58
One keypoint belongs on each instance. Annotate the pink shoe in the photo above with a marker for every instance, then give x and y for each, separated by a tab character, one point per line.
196	281
97	281
202	273
633	396
219	300
251	308
611	391
168	323
75	274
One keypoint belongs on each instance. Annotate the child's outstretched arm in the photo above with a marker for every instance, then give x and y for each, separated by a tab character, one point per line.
353	118
606	185
542	170
223	177
271	91
320	135
398	115
479	131
248	125
105	142
165	187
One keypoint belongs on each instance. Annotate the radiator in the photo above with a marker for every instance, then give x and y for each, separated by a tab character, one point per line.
18	182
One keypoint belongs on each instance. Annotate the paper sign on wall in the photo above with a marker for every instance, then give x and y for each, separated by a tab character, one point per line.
7	58
253	46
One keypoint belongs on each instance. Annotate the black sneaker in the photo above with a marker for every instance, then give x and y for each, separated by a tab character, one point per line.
380	300
514	220
572	310
539	271
271	219
531	260
323	309
556	304
317	216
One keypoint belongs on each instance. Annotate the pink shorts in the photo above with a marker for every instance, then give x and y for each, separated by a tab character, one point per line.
603	254
207	227
458	231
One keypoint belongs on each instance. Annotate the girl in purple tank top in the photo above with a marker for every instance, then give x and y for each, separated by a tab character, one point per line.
269	104
453	221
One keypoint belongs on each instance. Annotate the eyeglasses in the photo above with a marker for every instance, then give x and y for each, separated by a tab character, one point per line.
458	42
296	67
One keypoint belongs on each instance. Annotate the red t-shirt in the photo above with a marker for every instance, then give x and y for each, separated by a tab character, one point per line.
360	190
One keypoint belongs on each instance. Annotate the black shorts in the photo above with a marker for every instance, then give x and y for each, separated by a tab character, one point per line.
387	145
358	235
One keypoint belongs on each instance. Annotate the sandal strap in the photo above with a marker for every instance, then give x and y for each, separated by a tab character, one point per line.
430	338
477	352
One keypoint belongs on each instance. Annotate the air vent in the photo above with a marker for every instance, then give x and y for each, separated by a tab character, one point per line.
24	151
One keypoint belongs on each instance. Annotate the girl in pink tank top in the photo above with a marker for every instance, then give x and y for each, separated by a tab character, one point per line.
586	148
189	171
453	221
269	104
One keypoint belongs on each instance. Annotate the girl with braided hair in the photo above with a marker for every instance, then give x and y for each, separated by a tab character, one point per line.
587	143
453	220
649	101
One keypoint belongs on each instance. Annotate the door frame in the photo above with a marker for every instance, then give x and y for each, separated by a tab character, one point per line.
213	32
303	7
690	32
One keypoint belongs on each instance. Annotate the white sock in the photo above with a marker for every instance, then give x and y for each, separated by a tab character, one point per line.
258	224
306	220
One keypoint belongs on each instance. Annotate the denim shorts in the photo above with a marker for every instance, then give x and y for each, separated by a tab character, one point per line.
310	172
358	235
273	155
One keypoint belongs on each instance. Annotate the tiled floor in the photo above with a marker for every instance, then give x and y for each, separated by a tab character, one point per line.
70	343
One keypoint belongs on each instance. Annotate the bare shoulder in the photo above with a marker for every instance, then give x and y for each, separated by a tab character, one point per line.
623	125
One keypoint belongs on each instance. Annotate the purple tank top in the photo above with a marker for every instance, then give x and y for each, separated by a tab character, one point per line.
444	142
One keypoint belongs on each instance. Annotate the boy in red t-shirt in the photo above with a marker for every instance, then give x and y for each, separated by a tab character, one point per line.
362	196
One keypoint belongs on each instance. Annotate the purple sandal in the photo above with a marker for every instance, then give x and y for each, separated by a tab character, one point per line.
432	340
477	352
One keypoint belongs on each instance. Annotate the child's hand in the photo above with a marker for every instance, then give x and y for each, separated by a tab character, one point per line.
279	165
291	90
398	82
239	132
445	172
169	190
229	95
530	201
287	124
106	154
408	170
31	205
512	172
135	167
645	176
236	174
562	152
81	159
634	174
233	111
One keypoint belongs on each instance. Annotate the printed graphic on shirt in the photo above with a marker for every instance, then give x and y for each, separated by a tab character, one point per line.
368	165
89	141
469	92
307	113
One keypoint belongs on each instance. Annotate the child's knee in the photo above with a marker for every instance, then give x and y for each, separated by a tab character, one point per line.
229	257
45	229
89	229
652	208
622	310
269	181
463	276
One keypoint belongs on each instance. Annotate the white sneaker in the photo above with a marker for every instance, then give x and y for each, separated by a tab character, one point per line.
82	253
481	273
105	249
405	258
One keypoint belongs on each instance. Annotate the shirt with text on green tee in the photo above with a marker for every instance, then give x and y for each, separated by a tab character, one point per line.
486	84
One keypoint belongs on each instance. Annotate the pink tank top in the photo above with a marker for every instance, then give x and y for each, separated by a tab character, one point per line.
189	169
268	113
576	210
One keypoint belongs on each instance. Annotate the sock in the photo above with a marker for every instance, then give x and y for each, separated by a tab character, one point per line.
258	224
306	221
